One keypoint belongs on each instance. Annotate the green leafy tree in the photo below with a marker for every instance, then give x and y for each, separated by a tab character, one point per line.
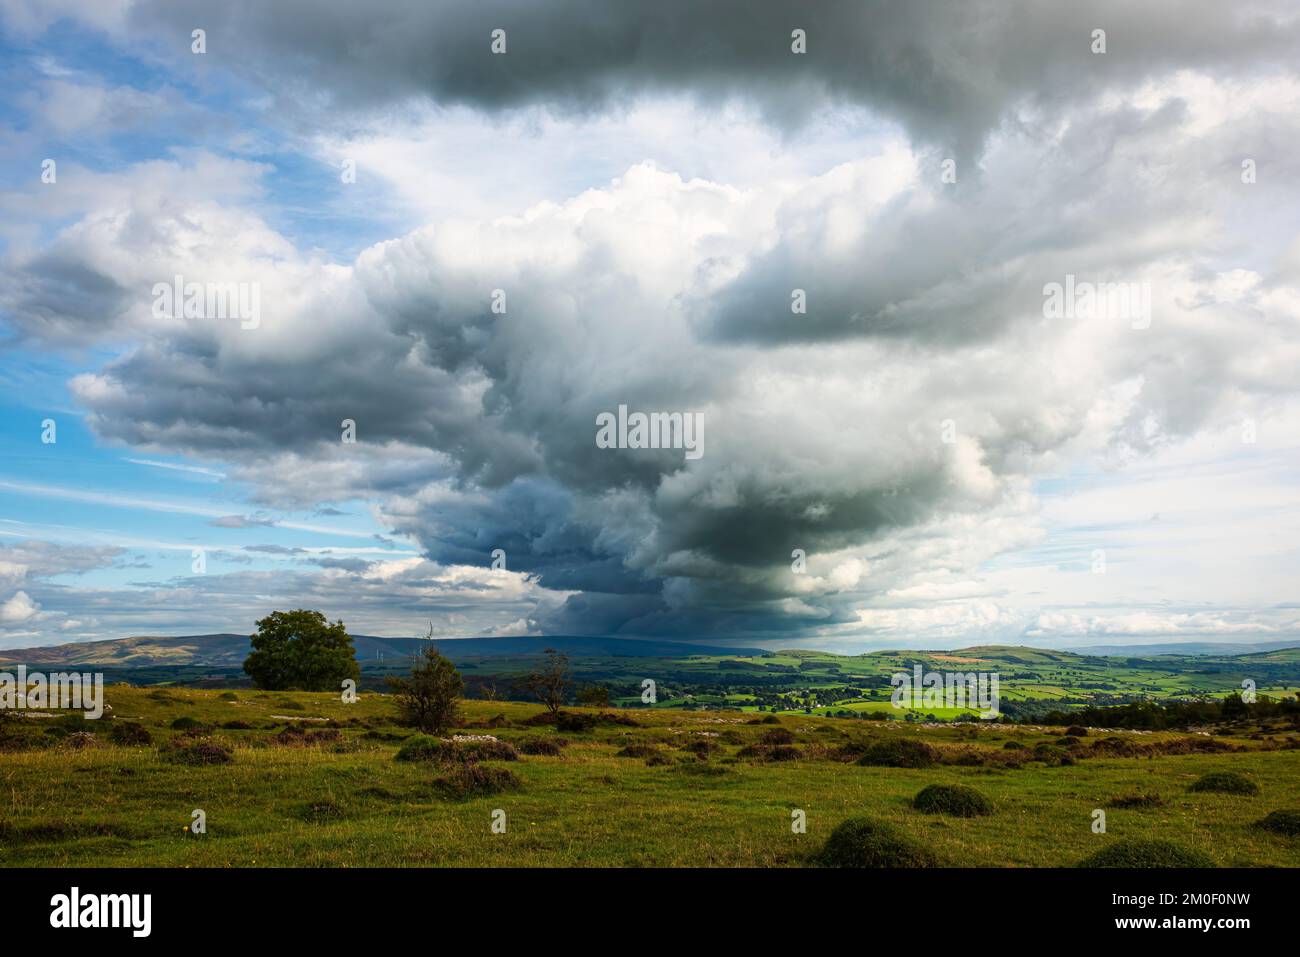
301	650
430	698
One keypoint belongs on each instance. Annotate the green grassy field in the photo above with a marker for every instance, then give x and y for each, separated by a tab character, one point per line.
349	803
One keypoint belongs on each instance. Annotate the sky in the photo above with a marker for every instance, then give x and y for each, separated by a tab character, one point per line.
828	233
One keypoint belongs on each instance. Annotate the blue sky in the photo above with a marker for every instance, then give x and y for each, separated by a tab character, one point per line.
1099	484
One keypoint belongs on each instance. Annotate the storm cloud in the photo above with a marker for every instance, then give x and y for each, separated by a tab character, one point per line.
892	432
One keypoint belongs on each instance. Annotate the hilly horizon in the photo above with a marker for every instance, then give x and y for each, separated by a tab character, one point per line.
226	649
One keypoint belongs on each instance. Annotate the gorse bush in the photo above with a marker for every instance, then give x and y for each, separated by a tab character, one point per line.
1147	854
955	799
862	842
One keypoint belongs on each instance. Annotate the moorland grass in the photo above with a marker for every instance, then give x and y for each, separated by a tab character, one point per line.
1147	853
349	803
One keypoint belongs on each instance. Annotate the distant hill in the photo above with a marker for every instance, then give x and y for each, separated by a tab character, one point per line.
229	651
1186	648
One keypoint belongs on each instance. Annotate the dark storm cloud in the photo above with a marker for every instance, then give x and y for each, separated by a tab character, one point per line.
475	431
948	70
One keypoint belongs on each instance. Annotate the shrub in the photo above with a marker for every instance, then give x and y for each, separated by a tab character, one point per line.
237	726
1117	747
1077	731
430	698
129	733
484	749
702	748
638	751
474	780
1149	853
1286	823
300	737
1013	746
228	696
777	736
574	721
198	751
1226	782
1149	799
955	799
1051	754
289	704
545	747
80	739
766	719
186	723
862	842
769	752
900	753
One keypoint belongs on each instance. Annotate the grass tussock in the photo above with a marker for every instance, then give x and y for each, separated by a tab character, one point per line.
1147	854
196	751
957	800
1225	782
1137	800
475	780
1286	823
900	753
863	842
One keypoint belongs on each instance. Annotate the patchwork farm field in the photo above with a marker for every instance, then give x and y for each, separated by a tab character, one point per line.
306	780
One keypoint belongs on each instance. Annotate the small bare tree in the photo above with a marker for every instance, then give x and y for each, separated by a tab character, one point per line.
551	682
430	698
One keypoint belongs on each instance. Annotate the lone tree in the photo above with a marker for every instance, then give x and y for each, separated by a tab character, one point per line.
430	698
301	650
551	682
